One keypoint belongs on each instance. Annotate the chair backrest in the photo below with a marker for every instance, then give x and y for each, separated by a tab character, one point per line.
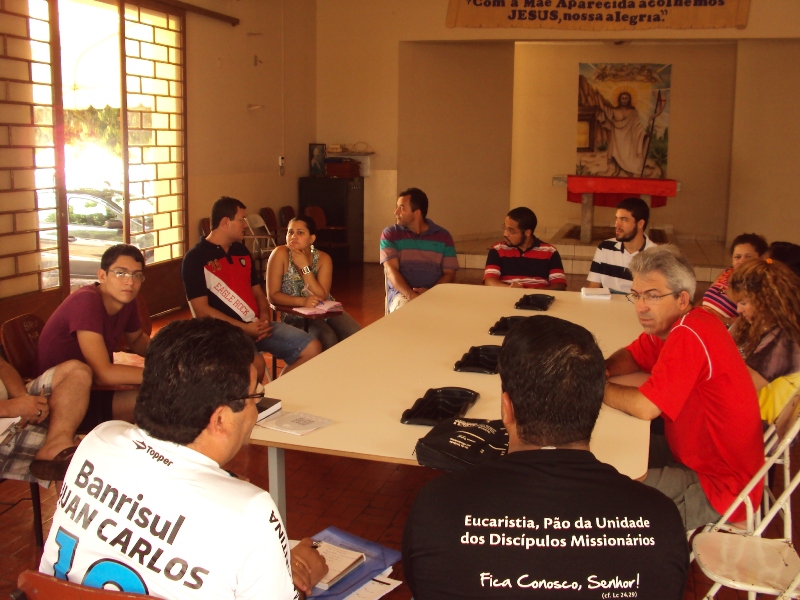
786	419
257	225
385	293
285	214
772	398
316	213
790	427
20	337
263	239
33	585
268	215
205	227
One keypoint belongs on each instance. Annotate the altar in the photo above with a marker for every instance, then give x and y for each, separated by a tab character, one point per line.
593	191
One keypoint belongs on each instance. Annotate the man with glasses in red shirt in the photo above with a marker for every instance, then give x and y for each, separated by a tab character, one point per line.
711	444
88	325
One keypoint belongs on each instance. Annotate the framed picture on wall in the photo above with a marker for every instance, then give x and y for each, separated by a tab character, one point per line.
316	159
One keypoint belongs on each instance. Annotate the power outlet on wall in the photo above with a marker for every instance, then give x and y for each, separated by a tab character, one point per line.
280	164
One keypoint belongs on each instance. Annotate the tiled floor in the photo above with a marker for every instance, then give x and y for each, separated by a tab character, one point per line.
370	499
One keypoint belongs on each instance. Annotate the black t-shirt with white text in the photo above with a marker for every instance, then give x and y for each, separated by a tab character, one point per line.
544	524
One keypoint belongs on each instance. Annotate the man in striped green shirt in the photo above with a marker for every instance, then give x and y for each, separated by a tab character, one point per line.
416	253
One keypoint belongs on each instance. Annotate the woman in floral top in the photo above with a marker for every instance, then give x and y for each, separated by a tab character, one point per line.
300	275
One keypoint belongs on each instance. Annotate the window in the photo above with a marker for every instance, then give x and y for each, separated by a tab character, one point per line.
122	158
28	248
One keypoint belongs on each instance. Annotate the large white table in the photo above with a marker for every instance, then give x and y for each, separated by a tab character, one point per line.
365	382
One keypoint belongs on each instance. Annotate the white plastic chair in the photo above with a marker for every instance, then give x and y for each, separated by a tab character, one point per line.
262	241
746	561
385	293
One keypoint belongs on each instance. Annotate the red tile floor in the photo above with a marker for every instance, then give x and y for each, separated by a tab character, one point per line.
369	499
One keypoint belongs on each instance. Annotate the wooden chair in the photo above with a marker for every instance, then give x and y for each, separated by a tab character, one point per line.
19	337
205	227
271	222
285	214
330	238
32	585
332	233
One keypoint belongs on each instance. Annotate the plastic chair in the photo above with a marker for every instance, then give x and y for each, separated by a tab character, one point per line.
772	438
746	561
385	293
32	585
271	221
263	242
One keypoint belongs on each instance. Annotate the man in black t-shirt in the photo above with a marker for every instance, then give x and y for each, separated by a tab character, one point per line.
548	520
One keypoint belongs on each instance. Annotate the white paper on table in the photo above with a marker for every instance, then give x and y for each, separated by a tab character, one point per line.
376	587
296	423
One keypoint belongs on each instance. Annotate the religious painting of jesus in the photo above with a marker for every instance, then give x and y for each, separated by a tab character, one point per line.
623	119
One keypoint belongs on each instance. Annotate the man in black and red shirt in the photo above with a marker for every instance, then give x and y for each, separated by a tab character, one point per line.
221	282
521	259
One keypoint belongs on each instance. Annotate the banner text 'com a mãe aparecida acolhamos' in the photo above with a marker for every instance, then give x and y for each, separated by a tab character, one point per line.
599	15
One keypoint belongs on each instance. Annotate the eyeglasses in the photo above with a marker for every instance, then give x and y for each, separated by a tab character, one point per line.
127	276
257	396
648	298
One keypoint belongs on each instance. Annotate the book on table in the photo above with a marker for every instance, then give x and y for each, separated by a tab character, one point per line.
320	309
378	560
596	293
340	561
267	407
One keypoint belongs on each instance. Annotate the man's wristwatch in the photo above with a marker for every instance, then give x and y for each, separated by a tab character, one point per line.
305	270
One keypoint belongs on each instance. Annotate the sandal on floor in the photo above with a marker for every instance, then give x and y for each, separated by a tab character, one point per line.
54	469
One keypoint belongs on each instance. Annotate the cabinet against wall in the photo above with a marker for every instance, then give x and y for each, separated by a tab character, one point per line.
342	199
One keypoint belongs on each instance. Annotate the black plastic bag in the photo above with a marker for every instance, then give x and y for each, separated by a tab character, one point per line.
459	443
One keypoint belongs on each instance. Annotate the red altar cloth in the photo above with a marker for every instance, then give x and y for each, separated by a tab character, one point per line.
608	191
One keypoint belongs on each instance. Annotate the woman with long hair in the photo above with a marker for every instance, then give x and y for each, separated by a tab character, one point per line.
300	275
767	331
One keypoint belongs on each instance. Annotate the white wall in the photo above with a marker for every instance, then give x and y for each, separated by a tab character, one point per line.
269	61
454	134
764	188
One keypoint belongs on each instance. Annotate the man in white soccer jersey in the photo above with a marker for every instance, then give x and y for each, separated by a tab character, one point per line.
148	508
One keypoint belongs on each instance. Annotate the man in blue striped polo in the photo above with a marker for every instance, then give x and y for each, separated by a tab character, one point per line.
416	253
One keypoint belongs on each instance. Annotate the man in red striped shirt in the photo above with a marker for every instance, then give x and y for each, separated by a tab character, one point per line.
521	259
